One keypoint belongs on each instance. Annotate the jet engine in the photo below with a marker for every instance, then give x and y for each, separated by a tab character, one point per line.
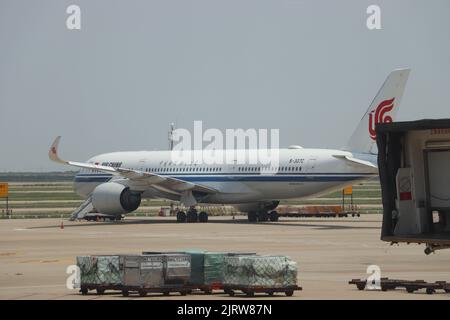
114	198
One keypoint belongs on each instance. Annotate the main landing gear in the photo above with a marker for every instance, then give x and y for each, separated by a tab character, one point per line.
263	216
192	216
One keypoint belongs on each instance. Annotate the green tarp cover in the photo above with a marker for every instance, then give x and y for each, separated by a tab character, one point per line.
270	271
104	270
197	267
207	267
214	267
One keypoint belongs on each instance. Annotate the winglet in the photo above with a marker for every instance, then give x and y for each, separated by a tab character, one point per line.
53	152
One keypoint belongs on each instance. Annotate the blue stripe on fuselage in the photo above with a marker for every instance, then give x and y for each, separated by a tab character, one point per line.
280	177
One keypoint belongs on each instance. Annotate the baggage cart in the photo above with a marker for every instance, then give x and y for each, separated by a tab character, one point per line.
100	273
250	291
410	285
165	289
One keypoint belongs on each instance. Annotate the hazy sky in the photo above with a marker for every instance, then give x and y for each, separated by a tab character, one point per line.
309	68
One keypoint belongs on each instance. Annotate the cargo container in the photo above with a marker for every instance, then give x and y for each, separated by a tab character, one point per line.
156	273
100	273
268	274
207	269
143	271
177	268
161	273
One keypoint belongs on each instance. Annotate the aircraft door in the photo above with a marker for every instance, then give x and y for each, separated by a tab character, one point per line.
310	168
311	165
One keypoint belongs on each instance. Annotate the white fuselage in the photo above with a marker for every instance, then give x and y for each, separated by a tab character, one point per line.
302	173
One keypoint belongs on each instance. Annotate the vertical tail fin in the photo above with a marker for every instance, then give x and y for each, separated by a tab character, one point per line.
382	109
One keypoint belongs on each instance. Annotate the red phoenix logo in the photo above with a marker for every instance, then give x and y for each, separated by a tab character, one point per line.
381	116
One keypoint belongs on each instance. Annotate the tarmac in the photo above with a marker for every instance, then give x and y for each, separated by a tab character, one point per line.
35	253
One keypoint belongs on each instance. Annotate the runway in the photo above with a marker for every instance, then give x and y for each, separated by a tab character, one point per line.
34	253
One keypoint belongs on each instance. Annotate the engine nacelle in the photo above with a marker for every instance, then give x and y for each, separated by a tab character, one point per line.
114	198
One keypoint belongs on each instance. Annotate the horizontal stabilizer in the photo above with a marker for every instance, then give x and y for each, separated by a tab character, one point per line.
354	161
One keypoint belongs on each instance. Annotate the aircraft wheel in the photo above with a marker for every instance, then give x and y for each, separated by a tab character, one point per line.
273	216
142	293
252	216
263	216
192	216
181	216
430	291
203	217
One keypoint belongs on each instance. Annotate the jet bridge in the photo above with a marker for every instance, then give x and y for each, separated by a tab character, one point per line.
414	168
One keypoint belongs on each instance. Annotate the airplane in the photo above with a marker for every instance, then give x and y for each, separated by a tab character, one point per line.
114	183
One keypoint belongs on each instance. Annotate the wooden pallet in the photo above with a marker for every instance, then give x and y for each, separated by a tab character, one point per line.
409	285
316	215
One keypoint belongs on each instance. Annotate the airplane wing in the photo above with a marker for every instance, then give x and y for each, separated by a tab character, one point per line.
139	180
355	161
